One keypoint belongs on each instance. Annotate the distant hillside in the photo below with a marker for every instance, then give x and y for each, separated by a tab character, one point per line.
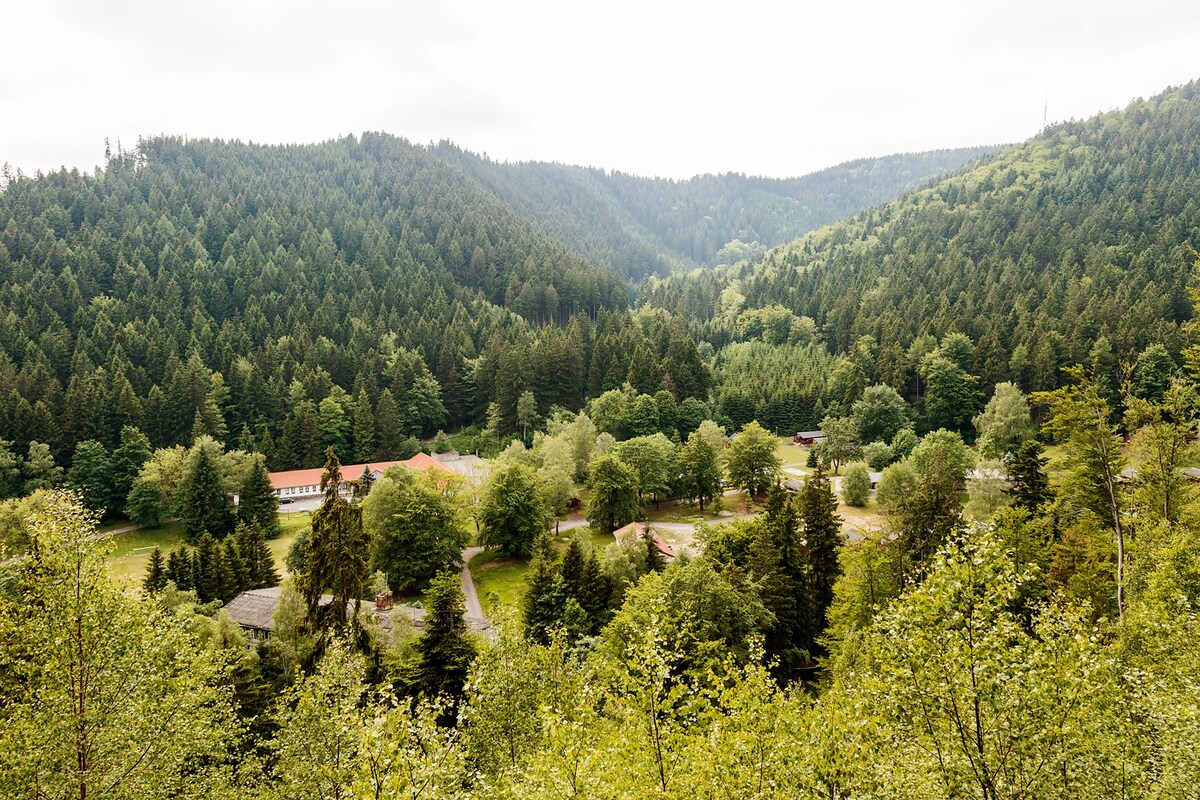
1076	246
645	226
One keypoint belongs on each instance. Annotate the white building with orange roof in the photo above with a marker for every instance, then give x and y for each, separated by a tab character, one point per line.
304	484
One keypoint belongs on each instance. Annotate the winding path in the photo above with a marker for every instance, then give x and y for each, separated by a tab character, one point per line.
468	585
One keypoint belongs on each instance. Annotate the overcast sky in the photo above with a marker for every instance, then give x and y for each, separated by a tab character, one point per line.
653	88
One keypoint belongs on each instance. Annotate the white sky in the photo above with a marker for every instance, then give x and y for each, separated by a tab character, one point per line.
653	88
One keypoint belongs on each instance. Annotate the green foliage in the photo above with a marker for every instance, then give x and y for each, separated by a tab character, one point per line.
444	650
780	386
257	502
1005	423
896	483
880	414
337	554
513	511
201	502
942	456
700	470
92	476
840	444
105	691
856	486
612	493
416	529
751	462
877	455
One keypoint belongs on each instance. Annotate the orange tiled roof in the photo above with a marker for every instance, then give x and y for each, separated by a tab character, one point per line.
292	478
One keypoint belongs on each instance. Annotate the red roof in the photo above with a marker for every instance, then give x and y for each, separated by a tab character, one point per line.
350	472
638	529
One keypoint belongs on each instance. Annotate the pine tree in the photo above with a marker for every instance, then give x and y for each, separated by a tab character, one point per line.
260	564
388	427
596	591
542	605
573	564
258	503
779	567
444	650
180	570
200	501
156	573
823	541
212	574
91	473
337	553
364	428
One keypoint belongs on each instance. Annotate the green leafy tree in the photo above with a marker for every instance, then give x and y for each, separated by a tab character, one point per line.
896	483
526	413
416	529
1005	423
10	471
105	692
1079	418
127	461
856	486
333	426
931	516
951	395
944	453
512	512
39	469
841	442
880	414
92	475
613	493
653	459
752	463
700	470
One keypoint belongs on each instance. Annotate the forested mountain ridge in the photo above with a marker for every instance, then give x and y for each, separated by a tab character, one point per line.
1074	247
648	226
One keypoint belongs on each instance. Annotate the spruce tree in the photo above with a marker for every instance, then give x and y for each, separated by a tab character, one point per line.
823	541
260	564
258	503
364	428
1027	475
209	568
156	573
180	570
388	427
542	605
337	552
237	568
596	592
444	650
573	564
778	567
200	501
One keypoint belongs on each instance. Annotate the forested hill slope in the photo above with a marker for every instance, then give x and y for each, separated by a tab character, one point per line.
1074	247
647	226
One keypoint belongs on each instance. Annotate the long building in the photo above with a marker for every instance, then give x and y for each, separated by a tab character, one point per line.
301	484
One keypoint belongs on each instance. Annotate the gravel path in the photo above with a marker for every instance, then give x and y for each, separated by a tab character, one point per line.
468	585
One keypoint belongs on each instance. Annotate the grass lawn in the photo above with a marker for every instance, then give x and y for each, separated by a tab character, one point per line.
131	550
500	581
679	511
791	455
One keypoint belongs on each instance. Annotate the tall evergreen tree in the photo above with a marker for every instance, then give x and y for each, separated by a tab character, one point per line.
389	429
260	564
542	605
156	573
1026	468
778	565
91	473
823	541
200	501
444	649
337	553
364	428
180	569
127	460
258	503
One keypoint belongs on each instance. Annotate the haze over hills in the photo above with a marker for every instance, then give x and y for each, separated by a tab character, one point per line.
643	226
1076	246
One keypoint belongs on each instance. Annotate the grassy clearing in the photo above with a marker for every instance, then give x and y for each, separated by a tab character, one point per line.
131	549
791	454
500	581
